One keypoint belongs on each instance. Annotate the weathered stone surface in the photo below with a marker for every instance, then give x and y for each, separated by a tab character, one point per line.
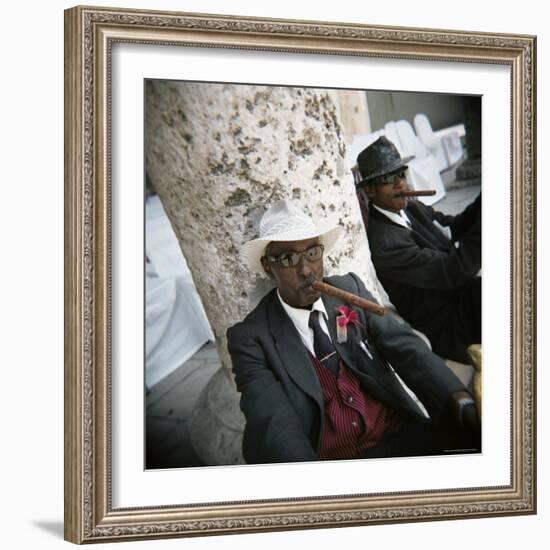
219	155
217	424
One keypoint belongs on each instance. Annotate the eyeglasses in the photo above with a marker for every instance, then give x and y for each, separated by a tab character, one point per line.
389	178
292	259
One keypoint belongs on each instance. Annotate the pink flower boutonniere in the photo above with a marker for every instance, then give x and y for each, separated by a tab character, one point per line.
343	319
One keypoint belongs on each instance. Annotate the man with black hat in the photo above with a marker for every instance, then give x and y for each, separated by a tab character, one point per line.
427	261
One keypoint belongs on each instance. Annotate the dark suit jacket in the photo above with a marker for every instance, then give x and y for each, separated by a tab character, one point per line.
422	270
281	394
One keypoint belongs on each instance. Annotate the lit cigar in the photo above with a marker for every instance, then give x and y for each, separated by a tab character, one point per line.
367	305
424	193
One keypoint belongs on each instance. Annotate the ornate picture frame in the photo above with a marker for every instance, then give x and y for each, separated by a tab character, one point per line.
90	34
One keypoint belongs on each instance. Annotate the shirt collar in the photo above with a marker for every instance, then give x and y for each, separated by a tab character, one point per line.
399	218
300	317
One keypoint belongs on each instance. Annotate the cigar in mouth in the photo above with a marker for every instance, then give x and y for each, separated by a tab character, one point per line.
348	297
420	193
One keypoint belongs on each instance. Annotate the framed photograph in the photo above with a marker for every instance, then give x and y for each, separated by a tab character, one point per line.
180	130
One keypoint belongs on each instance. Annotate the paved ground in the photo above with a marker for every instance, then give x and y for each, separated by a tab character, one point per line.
170	403
457	199
169	409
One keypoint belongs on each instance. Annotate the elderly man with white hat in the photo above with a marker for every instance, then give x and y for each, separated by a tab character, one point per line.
314	372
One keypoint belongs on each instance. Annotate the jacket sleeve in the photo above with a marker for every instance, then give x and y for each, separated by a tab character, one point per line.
273	431
399	258
423	371
461	225
468	221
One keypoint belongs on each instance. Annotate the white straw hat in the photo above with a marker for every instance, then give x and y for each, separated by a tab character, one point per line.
285	222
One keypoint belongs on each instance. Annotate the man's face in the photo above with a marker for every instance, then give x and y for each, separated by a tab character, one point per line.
294	283
389	195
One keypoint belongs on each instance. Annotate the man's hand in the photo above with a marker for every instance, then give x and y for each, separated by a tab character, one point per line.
464	411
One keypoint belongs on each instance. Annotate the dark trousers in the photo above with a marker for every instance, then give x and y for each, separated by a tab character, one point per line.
461	326
421	438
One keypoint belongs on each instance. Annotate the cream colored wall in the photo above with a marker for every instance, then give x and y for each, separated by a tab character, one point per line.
354	113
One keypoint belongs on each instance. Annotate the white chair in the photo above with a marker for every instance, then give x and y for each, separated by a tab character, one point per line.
450	138
175	320
452	147
423	172
390	129
432	143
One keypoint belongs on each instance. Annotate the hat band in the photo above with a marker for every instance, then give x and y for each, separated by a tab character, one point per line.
397	164
288	227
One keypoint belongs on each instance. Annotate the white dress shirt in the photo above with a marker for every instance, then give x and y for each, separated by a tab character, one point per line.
399	218
402	219
300	319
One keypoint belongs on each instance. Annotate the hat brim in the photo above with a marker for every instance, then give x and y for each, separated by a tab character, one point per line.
253	250
387	170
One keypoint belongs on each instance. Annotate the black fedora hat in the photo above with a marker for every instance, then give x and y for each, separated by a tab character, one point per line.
379	158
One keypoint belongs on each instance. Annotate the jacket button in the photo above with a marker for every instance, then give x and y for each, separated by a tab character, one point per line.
350	399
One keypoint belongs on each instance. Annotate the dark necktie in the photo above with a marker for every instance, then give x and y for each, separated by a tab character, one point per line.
324	350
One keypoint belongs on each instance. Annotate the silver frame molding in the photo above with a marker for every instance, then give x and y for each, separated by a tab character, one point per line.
89	35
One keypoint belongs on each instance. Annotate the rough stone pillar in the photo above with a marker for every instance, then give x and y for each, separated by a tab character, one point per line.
220	154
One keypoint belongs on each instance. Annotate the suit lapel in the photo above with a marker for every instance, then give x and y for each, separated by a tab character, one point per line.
345	350
293	353
421	234
350	351
432	239
425	229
